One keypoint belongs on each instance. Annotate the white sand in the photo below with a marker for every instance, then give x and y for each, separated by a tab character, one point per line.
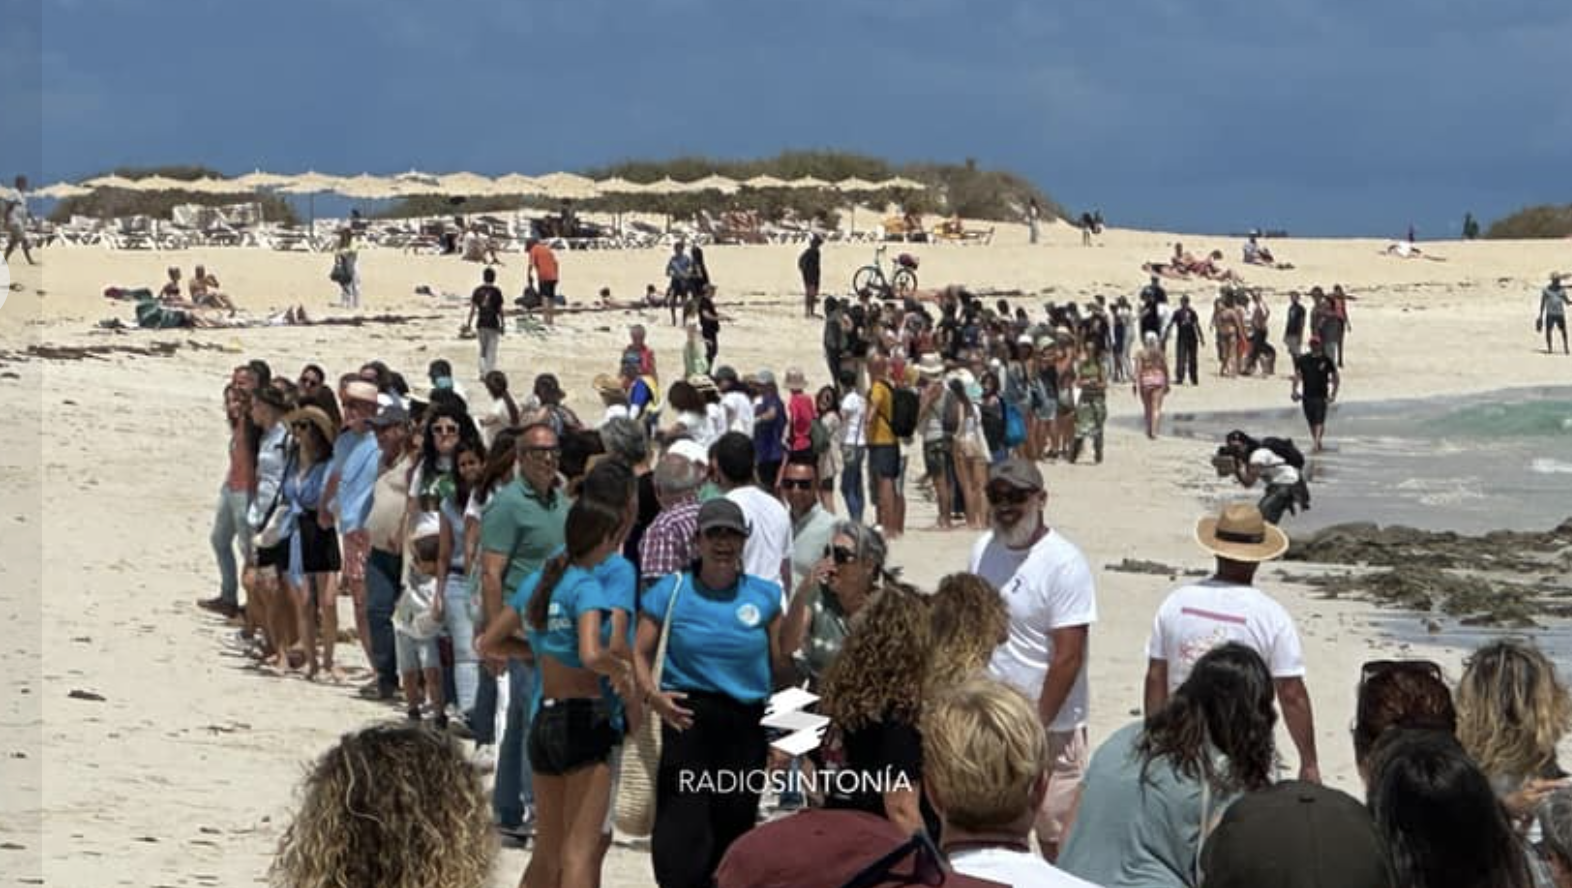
184	774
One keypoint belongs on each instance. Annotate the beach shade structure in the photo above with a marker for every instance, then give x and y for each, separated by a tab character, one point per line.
810	182
164	183
311	184
714	183
567	186
619	185
766	182
855	185
903	184
416	177
120	182
62	190
214	186
667	185
258	180
368	187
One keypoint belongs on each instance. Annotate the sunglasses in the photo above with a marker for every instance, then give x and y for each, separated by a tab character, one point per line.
1375	668
721	533
543	453
1014	496
927	867
797	483
841	554
445	429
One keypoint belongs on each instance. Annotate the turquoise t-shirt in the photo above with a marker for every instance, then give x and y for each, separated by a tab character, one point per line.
573	595
610	586
618	591
720	641
1130	834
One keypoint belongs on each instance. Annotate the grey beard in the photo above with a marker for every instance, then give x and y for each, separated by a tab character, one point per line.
1019	536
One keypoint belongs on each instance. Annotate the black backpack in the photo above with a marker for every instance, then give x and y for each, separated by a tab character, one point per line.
1284	447
904	406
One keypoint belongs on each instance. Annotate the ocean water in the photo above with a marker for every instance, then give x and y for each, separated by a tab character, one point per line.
1498	460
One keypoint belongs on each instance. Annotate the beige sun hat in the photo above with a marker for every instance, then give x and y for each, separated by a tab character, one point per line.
606	384
931	365
1240	533
795	379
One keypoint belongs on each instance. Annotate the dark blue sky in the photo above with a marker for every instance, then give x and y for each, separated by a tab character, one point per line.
1319	116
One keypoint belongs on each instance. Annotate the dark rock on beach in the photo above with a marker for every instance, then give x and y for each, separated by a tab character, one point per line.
1501	578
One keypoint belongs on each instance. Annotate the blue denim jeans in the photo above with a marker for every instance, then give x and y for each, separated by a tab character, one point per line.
229	528
514	792
852	489
383	570
461	629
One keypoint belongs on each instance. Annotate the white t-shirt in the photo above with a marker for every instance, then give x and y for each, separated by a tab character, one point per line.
771	540
739	412
1046	587
1018	869
1272	468
715	415
1196	618
852	409
616	411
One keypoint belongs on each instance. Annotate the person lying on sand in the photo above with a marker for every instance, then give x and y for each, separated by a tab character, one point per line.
153	313
1257	253
1408	250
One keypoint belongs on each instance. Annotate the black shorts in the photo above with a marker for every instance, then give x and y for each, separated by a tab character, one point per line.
548	292
1556	322
318	547
567	735
938	458
884	461
276	557
1315	410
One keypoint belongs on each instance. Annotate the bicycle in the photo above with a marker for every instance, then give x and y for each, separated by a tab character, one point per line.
902	282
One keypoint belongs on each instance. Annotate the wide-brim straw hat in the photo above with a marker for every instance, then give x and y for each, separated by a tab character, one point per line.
317	417
795	380
931	365
361	390
606	384
703	384
1240	533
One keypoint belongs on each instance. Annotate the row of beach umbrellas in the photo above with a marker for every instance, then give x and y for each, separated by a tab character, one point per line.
556	186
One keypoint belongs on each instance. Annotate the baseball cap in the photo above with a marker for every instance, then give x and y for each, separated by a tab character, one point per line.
722	514
1018	473
829	848
691	450
1295	835
390	415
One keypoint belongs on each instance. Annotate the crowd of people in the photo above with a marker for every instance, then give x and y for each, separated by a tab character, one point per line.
548	586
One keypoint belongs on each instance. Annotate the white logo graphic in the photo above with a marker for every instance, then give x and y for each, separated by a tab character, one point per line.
748	615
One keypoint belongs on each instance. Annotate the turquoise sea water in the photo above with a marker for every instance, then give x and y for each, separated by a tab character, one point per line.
1499	460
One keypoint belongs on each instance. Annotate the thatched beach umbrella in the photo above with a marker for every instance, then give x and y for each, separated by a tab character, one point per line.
903	184
514	183
766	182
467	185
809	182
257	180
63	190
714	183
120	182
568	186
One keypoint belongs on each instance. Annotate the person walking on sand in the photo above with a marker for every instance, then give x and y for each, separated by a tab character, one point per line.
1553	303
1032	216
346	269
1196	618
678	279
1048	588
13	211
1188	342
488	314
1294	330
809	265
1315	386
543	276
1151	382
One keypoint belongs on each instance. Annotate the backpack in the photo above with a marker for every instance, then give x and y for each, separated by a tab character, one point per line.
1014	426
904	406
1284	447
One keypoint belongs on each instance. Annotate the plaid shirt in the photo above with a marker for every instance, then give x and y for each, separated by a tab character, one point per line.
668	545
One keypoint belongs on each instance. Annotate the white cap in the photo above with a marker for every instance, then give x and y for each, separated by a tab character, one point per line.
691	451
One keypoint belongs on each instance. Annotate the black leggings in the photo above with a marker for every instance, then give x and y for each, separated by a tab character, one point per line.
697	815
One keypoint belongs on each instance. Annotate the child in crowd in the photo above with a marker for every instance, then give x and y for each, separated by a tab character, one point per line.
416	630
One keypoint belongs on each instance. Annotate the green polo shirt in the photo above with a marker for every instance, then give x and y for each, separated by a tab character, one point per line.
522	525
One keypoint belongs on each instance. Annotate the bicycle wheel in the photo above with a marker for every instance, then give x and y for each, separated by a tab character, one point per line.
905	282
868	279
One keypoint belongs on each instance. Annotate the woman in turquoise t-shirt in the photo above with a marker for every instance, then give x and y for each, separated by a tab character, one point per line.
723	657
1153	791
573	734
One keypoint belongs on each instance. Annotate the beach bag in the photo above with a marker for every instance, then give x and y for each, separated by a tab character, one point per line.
635	814
1284	447
1014	426
904	407
275	522
341	274
818	437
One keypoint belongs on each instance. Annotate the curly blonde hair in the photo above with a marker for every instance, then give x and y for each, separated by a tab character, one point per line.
390	806
969	620
882	667
1512	709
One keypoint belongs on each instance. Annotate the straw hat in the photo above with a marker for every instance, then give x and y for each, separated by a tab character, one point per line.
317	417
931	365
606	384
703	384
1241	534
795	380
360	390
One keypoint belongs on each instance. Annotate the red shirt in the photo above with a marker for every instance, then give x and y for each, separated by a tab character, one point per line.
544	262
800	413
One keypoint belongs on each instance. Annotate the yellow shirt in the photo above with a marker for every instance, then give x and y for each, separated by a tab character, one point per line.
881	406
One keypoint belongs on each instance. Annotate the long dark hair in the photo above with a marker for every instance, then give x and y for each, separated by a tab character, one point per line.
501	460
428	447
497	386
1226	705
1439	817
589	524
461	487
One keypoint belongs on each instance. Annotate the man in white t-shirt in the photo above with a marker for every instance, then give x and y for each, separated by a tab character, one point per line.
854	420
1198	617
735	401
984	757
1047	588
767	554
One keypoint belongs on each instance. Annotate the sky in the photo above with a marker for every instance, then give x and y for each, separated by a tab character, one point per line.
1319	117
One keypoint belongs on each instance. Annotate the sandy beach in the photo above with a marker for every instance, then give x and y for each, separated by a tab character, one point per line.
179	766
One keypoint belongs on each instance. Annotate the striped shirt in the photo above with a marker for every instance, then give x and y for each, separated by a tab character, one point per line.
669	545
